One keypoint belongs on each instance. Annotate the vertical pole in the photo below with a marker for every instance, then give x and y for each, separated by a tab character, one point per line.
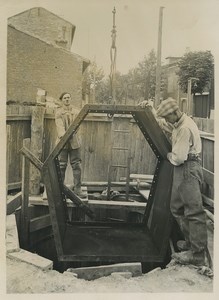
24	236
189	100
113	51
158	69
37	128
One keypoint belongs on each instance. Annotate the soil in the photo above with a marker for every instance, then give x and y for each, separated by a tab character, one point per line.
25	278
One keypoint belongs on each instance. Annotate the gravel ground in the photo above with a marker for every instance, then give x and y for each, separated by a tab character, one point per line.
25	278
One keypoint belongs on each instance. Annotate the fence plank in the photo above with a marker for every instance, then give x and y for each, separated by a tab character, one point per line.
19	130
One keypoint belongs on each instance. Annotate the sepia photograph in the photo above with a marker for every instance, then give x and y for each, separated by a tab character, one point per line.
108	121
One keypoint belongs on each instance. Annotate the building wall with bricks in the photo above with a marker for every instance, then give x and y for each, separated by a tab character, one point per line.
33	63
45	25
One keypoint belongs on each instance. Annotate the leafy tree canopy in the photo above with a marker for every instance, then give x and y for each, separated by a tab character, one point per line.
198	65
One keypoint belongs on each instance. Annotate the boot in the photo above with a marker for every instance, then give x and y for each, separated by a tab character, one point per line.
183	245
77	184
188	257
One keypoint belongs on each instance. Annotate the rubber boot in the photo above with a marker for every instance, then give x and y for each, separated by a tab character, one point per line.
77	184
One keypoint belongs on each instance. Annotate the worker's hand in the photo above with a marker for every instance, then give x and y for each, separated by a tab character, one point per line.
146	103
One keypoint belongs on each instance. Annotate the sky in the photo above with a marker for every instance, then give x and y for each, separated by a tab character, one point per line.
187	24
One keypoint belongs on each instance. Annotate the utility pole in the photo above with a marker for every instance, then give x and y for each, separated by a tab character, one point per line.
158	69
113	51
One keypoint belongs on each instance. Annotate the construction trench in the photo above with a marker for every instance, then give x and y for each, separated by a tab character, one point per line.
122	227
116	223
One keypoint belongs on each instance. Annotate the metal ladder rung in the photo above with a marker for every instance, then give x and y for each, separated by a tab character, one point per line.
119	148
121	130
119	166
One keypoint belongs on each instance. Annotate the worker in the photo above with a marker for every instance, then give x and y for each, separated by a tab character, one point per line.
186	200
65	115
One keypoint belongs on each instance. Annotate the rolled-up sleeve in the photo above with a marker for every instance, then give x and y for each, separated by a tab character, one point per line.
180	149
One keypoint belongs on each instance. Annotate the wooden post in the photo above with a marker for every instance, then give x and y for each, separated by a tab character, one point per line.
37	129
189	98
24	229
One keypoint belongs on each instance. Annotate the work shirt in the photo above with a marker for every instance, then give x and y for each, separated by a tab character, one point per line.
185	139
64	116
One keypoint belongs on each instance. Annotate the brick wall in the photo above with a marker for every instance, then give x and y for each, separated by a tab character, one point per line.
43	24
32	64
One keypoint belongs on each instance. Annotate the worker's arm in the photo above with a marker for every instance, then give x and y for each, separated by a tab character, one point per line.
181	146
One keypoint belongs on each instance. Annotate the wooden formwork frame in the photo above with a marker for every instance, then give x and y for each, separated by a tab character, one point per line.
95	241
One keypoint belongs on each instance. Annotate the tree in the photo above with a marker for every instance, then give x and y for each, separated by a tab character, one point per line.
198	65
147	72
92	80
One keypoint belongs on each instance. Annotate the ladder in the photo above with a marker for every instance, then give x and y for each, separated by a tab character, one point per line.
119	151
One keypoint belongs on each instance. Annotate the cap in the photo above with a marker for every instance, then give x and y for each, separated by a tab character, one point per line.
167	107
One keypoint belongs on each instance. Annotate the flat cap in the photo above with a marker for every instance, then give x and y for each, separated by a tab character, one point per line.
167	107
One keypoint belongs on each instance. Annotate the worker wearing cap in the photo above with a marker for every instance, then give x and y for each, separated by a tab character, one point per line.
186	200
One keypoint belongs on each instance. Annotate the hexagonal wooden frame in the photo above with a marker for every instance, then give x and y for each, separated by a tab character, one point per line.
115	242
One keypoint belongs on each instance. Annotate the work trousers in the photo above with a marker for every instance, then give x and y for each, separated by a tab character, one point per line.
186	204
74	156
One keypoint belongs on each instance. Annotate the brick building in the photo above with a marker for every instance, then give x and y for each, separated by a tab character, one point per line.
39	56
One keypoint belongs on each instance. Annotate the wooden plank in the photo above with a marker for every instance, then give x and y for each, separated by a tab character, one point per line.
25	199
209	214
91	273
18	117
19	131
115	184
208	176
13	203
208	154
12	240
116	204
14	185
37	200
208	200
40	223
204	134
57	207
33	159
32	259
145	177
72	196
37	128
144	193
208	125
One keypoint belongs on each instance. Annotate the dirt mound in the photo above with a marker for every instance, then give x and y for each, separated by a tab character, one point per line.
25	278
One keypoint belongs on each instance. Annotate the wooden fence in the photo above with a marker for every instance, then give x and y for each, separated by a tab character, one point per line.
96	133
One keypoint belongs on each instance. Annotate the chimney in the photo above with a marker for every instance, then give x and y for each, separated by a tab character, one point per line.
61	41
